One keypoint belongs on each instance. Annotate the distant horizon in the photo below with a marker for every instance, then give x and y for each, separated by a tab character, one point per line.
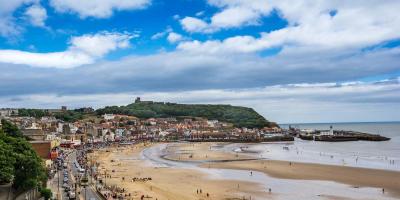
352	122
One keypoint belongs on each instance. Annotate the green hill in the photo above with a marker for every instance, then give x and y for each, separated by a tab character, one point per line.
238	116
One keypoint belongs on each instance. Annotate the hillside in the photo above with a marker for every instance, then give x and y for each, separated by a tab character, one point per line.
238	116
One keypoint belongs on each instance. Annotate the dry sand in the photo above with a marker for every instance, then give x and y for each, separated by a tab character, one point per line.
167	183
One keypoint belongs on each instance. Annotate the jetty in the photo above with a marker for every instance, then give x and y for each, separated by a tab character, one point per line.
340	136
274	138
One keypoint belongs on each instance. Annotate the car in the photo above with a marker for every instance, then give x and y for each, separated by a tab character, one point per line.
65	185
67	188
71	195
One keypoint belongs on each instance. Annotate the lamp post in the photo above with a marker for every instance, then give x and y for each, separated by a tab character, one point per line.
105	177
10	187
58	185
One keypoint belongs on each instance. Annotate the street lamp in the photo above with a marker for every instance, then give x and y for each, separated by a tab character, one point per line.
10	186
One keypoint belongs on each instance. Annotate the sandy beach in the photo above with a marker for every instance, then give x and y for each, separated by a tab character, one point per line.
166	183
183	183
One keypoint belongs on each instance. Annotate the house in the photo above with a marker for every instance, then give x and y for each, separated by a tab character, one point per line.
108	116
34	132
43	148
8	112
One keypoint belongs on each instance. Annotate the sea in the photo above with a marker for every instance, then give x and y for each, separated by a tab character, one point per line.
367	154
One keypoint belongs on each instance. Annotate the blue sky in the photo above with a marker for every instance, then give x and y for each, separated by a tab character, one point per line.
303	61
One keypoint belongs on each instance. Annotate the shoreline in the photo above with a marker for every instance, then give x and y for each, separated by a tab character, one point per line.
353	176
127	164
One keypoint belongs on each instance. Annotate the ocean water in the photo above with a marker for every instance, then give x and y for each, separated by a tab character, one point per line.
367	154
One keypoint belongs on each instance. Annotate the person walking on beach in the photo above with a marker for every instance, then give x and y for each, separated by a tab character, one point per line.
383	190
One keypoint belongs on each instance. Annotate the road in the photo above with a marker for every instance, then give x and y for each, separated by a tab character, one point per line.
56	182
56	185
91	194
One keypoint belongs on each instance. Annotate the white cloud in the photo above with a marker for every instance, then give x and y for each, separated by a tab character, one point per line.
176	17
174	37
97	9
313	26
7	20
37	15
355	24
192	24
234	13
158	35
101	43
200	13
83	50
237	44
235	17
161	34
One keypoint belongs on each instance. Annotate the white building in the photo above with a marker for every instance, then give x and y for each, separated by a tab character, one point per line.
108	116
7	112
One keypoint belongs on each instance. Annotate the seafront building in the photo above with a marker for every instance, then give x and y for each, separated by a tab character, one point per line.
115	128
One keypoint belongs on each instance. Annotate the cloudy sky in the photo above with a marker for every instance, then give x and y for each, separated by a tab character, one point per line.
292	61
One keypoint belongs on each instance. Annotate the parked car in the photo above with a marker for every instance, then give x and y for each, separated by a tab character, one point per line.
67	188
71	195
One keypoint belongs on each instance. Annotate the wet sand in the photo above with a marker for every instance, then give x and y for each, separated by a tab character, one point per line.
357	177
178	183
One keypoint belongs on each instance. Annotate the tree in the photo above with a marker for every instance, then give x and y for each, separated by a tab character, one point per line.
238	116
18	161
46	193
10	129
29	167
6	162
37	113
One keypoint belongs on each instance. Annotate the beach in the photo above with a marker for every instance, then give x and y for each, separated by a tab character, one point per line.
166	183
180	170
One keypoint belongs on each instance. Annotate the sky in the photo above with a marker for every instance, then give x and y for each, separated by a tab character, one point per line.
292	61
